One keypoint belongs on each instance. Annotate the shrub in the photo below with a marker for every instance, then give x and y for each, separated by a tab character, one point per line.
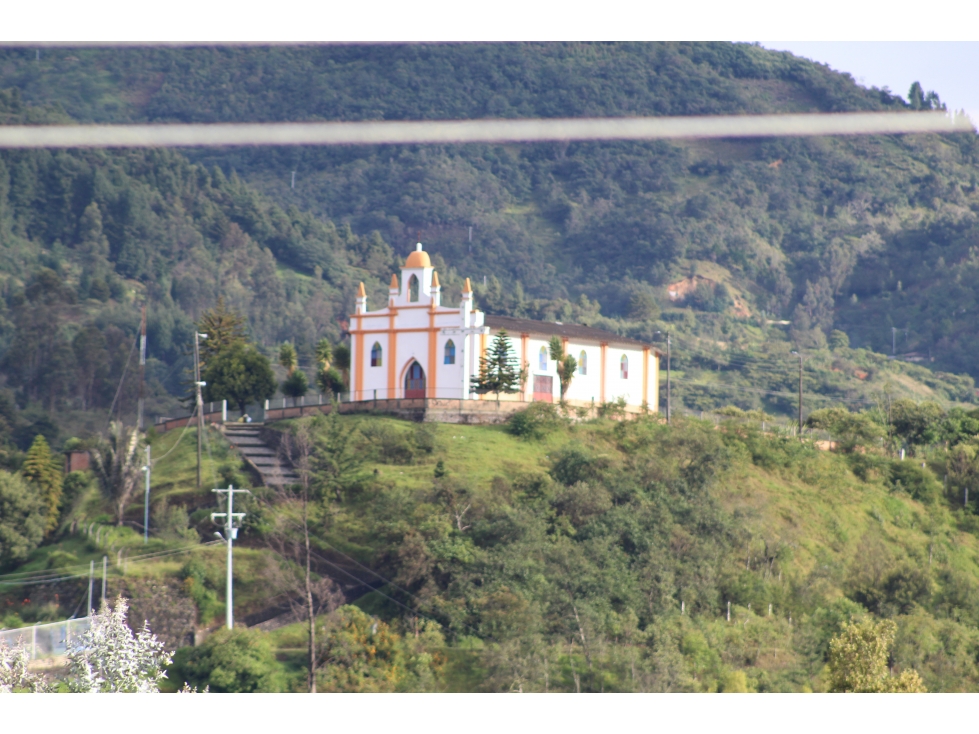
535	421
916	480
388	444
295	385
239	660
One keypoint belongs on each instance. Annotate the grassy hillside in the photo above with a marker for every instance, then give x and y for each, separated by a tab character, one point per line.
598	555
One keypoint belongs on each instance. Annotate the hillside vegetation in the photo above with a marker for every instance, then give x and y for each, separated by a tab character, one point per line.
596	556
860	234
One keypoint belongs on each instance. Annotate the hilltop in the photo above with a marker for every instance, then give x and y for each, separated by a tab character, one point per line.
857	235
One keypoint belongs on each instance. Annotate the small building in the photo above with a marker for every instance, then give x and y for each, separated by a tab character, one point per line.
414	347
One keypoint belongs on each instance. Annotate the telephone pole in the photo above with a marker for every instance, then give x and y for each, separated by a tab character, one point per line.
669	412
800	393
200	400
230	534
146	500
142	367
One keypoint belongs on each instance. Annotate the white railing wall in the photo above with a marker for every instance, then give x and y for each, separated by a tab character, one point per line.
46	640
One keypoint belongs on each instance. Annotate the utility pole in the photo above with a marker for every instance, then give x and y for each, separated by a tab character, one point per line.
893	340
105	564
230	534
142	367
91	575
200	400
800	396
669	411
146	500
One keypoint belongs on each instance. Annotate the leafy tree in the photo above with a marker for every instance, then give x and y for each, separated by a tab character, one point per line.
566	364
109	658
337	462
295	385
23	519
851	430
341	360
498	371
324	354
330	382
858	660
919	424
288	358
41	469
838	340
363	654
240	375
116	462
238	660
225	329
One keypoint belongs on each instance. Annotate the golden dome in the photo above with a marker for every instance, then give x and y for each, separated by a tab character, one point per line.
419	258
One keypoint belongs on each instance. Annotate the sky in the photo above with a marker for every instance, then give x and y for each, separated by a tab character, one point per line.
950	68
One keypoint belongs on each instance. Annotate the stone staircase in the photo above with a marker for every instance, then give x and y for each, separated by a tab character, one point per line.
247	438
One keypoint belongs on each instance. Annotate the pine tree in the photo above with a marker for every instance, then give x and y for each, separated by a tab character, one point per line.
42	471
498	372
225	328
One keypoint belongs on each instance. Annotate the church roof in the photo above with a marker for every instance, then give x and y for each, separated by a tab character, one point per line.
550	328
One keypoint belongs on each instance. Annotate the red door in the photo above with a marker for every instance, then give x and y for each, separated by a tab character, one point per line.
415	381
544	388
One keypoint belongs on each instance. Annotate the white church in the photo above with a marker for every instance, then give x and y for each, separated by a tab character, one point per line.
414	347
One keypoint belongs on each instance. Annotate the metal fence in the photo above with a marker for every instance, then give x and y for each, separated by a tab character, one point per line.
46	640
776	427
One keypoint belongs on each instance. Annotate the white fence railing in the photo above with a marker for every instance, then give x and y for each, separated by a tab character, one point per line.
46	640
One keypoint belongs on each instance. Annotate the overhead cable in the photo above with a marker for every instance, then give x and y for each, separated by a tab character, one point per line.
409	132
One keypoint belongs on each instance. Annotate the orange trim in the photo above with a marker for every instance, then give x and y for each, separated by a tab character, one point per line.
392	357
604	346
358	363
418	330
645	375
432	347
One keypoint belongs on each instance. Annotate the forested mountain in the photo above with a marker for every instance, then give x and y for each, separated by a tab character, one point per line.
860	234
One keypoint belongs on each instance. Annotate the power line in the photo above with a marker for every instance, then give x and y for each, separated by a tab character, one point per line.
397	132
70	572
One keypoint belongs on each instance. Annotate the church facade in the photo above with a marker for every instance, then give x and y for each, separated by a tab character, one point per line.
414	347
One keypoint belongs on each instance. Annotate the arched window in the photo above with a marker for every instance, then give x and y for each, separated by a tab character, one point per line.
542	359
413	288
376	354
583	363
450	352
624	367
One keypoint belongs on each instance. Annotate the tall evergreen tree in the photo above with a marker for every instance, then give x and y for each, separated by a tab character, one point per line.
41	470
498	371
225	328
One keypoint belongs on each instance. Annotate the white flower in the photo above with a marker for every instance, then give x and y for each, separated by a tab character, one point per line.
109	658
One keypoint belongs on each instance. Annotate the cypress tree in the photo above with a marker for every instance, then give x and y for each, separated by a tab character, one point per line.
41	470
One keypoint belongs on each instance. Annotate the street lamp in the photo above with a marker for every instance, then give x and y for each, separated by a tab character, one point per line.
200	400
